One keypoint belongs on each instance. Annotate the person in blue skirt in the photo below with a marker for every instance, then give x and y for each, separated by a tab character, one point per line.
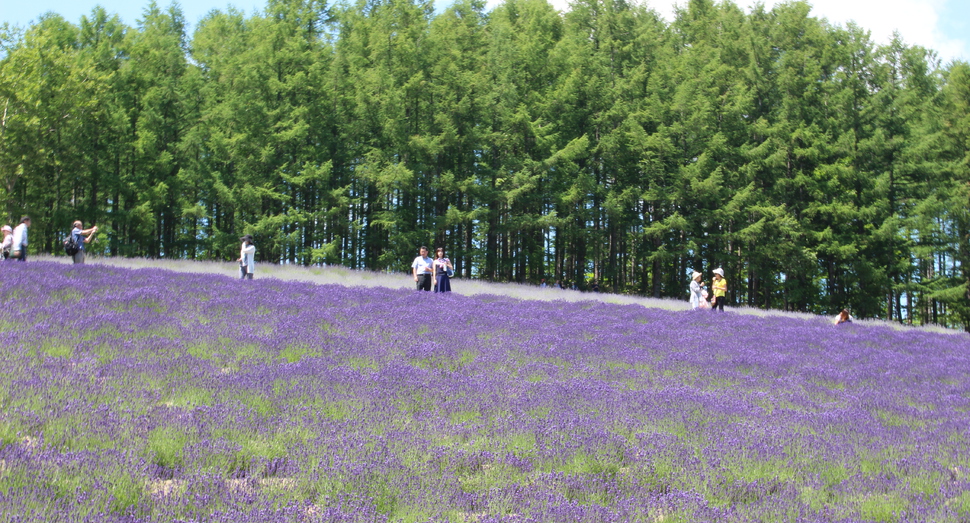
441	271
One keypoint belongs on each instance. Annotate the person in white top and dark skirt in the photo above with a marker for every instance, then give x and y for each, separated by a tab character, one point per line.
247	257
442	269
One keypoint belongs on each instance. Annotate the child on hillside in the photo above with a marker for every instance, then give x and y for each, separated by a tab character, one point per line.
843	317
7	244
705	304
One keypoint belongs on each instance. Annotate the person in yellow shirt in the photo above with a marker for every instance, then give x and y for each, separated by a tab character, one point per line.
720	290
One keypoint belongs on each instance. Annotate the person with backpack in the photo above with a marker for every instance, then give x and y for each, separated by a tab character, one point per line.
74	245
19	247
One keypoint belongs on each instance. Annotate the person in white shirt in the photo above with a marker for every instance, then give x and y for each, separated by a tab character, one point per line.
421	268
247	257
19	247
696	287
7	241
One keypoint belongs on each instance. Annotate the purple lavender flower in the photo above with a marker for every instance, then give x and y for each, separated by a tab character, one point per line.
144	395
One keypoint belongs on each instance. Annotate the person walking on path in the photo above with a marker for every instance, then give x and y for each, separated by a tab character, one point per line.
7	241
421	268
247	258
442	269
19	247
720	290
696	287
81	237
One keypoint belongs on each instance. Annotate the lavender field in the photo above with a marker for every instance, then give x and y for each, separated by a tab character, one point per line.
147	395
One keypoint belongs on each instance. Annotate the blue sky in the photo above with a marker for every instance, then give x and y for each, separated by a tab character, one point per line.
942	25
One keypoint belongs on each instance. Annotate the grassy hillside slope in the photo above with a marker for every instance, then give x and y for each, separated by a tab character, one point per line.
156	395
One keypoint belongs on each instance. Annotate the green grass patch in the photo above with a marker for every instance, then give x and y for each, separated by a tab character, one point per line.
165	446
189	396
294	353
882	508
464	416
895	419
362	363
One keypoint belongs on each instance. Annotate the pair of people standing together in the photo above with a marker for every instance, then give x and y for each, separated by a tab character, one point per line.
15	240
439	270
14	244
698	295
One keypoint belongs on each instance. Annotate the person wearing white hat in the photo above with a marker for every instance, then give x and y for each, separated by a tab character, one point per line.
720	290
7	241
696	287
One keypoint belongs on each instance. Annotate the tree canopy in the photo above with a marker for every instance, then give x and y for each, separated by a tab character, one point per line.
819	169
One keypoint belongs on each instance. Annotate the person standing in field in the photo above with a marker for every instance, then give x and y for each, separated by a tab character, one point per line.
81	237
720	290
696	287
7	241
19	247
441	272
247	258
421	268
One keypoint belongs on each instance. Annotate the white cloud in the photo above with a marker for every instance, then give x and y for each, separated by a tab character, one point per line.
917	21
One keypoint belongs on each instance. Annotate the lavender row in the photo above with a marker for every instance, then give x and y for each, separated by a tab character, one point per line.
144	395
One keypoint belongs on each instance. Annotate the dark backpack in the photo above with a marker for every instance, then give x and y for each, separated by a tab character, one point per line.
71	245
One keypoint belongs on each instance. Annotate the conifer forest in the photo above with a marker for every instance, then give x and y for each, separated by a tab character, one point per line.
819	168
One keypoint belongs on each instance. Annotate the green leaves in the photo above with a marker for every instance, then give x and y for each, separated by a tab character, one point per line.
820	170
